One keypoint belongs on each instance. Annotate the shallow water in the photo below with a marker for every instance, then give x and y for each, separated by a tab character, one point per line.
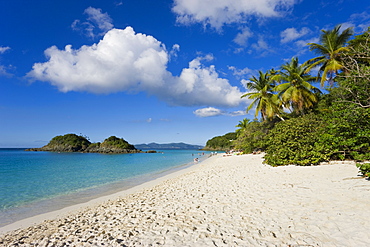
32	183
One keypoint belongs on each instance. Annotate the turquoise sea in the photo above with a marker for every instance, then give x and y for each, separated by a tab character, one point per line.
32	183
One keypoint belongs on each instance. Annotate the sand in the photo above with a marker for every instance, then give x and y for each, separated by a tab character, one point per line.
223	201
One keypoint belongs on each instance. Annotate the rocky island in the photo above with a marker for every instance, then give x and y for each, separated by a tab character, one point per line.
78	143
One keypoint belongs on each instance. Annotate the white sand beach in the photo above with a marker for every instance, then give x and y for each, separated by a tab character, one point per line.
223	201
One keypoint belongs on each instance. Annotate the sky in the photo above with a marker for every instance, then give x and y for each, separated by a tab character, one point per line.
148	71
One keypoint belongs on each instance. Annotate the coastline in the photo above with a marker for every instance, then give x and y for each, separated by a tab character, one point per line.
223	201
122	188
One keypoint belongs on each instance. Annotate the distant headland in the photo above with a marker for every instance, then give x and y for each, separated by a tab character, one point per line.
78	143
179	145
111	145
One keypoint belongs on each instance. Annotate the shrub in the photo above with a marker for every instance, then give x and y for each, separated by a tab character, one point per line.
117	143
221	142
364	169
253	136
295	142
69	141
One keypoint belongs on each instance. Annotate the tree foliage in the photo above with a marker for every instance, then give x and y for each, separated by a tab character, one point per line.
262	94
330	51
72	141
295	142
224	142
295	91
116	142
320	127
252	137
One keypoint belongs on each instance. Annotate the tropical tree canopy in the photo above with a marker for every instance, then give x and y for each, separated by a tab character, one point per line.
261	92
295	91
242	125
330	50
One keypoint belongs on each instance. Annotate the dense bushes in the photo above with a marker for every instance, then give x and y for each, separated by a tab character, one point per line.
117	143
252	136
71	142
296	141
364	169
224	142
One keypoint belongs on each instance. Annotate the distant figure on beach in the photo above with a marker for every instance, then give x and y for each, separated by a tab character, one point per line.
196	160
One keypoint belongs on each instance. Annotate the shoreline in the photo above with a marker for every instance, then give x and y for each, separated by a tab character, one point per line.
222	201
109	191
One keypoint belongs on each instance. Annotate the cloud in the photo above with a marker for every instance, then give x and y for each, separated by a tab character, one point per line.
362	19
4	49
242	72
291	34
3	69
175	50
122	60
303	43
242	37
221	12
95	20
212	112
201	85
133	62
149	120
261	47
208	112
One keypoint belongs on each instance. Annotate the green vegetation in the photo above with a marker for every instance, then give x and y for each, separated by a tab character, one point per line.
252	137
364	169
296	141
69	142
78	143
299	125
117	143
224	142
295	91
262	95
330	51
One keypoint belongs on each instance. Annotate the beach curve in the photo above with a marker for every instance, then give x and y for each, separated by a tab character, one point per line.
223	201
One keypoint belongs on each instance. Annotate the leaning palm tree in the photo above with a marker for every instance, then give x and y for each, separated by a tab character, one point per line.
262	95
295	91
330	51
242	125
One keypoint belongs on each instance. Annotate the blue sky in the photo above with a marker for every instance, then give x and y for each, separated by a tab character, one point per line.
147	71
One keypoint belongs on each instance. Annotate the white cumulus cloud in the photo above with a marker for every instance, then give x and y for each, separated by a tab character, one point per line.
220	12
122	60
291	34
201	85
133	62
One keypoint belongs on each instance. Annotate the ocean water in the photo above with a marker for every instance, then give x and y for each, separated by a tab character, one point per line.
32	183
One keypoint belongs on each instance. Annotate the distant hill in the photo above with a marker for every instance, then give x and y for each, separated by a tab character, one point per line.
180	145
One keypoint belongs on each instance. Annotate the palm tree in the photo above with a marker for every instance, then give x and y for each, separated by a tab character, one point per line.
295	91
262	95
330	51
242	125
